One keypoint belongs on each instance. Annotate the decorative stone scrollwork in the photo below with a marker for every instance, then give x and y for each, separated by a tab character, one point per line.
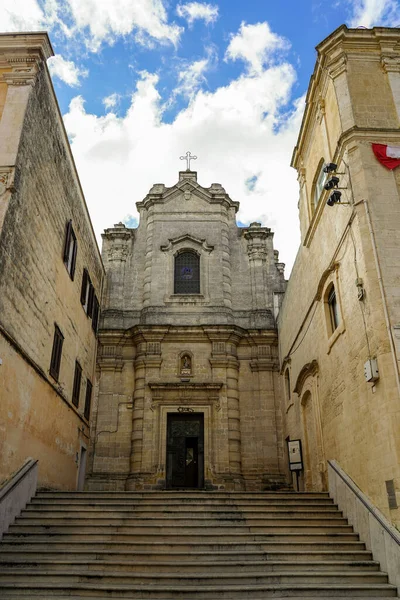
6	180
390	63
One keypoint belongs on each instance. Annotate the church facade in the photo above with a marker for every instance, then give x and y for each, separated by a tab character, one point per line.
188	384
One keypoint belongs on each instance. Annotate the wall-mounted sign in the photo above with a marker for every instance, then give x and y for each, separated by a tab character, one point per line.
295	455
183	409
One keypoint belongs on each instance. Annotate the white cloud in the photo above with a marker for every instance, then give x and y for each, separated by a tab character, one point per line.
96	21
192	75
197	10
231	131
371	13
66	70
256	45
21	15
111	101
106	20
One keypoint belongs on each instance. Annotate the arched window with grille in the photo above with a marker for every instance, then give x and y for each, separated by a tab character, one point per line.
187	273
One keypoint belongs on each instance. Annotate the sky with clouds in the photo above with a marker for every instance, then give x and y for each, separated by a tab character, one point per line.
140	82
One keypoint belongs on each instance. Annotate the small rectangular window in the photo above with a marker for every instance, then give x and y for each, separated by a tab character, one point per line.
96	313
56	353
333	309
70	250
90	301
76	390
88	399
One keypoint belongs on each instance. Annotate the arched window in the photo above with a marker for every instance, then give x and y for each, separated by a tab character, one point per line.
333	309
187	273
319	183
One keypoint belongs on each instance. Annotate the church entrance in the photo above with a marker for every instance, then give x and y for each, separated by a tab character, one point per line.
185	450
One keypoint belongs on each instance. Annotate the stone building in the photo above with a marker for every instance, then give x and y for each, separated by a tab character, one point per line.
341	313
188	383
50	276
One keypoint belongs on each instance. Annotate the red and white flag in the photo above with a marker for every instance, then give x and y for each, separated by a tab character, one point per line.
389	156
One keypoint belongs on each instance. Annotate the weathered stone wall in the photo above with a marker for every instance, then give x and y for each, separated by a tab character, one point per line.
331	407
36	292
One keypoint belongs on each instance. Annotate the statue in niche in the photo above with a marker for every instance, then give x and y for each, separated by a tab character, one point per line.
186	365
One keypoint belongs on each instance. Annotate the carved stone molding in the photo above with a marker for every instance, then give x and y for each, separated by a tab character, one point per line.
6	179
390	63
338	66
119	236
257	237
201	243
320	112
309	370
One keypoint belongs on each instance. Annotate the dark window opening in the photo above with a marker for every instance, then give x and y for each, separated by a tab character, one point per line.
96	314
287	385
187	273
70	250
333	309
88	399
76	390
56	353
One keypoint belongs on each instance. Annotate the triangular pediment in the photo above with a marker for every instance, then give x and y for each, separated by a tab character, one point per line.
186	239
186	190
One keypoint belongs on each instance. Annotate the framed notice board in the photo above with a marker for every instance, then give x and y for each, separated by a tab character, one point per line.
295	455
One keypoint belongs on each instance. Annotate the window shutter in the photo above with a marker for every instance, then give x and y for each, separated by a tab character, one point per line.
90	301
56	353
85	278
77	384
88	399
67	242
74	257
96	310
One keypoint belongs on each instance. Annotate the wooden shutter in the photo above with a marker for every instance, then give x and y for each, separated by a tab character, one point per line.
85	281
73	263
88	399
76	390
90	301
68	233
56	353
96	311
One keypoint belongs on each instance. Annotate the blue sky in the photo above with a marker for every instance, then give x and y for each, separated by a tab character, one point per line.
140	82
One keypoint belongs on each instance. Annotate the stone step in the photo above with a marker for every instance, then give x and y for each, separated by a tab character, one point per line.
201	511
44	553
35	576
237	520
183	592
178	544
73	563
193	530
186	495
109	501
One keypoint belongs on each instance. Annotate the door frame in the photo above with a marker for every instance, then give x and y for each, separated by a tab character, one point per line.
188	416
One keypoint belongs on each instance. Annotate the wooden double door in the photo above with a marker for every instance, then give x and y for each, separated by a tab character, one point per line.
185	450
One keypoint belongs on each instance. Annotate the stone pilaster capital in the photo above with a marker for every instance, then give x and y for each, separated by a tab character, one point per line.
320	112
338	66
6	180
24	70
390	63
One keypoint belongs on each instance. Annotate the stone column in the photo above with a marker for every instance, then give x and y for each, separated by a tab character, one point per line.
148	259
391	66
338	72
225	367
226	266
257	248
116	247
137	413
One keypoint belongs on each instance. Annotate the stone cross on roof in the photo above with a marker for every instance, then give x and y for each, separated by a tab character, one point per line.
188	157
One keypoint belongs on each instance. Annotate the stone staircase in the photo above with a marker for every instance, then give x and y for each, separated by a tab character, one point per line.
186	545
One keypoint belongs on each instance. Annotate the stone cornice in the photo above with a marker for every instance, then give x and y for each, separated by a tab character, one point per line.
34	44
379	43
21	55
